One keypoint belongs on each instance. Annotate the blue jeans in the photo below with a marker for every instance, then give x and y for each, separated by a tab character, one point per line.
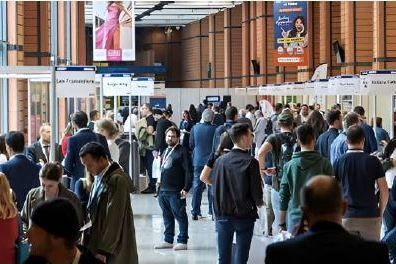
210	199
225	232
275	199
148	163
174	208
390	231
198	187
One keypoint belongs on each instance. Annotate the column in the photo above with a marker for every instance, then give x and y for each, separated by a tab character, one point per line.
245	44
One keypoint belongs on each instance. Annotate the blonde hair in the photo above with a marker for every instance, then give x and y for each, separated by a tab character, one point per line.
107	125
7	205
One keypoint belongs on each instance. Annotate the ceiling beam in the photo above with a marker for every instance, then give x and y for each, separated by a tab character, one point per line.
158	6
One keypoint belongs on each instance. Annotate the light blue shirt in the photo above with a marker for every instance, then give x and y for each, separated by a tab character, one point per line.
338	147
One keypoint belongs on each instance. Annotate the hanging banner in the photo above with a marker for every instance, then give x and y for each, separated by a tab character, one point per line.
291	33
298	88
113	31
344	85
142	86
75	81
381	82
117	85
265	90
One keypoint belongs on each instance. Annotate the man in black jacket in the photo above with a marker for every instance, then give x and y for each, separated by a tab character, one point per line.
326	242
39	151
237	192
176	181
163	123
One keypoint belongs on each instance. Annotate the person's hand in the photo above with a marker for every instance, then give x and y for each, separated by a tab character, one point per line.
42	163
101	258
270	171
183	194
155	154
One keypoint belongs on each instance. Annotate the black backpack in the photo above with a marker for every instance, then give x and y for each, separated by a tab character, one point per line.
287	143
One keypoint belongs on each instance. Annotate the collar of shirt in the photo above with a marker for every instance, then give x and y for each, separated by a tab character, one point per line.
355	151
236	147
101	174
81	129
41	143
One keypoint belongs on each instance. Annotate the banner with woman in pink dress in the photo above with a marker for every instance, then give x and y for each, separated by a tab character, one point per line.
114	31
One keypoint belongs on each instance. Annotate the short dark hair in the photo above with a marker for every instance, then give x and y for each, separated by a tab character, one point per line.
332	116
304	105
15	140
238	130
231	113
80	118
351	119
92	114
95	149
359	110
355	134
157	111
278	107
378	121
174	130
305	134
51	171
249	107
324	200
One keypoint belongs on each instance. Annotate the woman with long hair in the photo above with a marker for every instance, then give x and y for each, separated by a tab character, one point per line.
225	146
318	123
3	151
83	189
193	114
67	133
8	222
185	128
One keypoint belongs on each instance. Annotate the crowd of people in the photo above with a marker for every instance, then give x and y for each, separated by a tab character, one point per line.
245	158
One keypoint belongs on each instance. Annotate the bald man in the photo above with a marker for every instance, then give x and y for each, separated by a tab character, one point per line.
326	241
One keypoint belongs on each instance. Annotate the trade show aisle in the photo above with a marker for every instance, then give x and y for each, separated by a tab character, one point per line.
149	232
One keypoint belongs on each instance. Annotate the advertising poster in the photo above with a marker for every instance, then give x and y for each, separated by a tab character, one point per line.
291	33
113	31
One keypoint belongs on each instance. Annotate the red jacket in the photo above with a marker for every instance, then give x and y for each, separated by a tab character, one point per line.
9	234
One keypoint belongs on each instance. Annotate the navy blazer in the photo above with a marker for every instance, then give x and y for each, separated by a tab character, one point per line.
201	140
327	243
23	175
73	165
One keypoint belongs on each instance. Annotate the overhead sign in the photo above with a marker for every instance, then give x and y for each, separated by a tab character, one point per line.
114	31
75	81
240	91
117	85
159	89
252	91
142	87
344	85
291	33
378	82
322	87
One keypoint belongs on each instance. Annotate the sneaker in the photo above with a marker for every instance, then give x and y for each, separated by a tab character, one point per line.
195	217
180	246
148	190
163	245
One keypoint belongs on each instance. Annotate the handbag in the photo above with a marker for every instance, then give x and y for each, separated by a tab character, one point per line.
22	246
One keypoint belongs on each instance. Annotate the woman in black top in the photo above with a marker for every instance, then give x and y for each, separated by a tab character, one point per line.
225	146
185	128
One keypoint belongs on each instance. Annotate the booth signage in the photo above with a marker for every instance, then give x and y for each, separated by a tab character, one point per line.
142	87
344	85
322	87
75	81
117	86
378	82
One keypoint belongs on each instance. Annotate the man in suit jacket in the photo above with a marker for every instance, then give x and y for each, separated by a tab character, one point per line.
326	241
22	173
84	135
40	150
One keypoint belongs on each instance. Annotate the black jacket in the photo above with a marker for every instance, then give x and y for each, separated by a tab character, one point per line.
237	185
35	153
176	170
162	125
327	243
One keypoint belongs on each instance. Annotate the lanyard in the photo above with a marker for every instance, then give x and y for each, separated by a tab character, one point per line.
167	155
